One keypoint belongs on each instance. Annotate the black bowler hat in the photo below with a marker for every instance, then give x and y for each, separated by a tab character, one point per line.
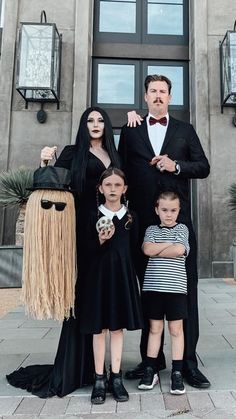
51	177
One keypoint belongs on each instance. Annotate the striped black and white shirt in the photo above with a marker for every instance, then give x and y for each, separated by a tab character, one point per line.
166	274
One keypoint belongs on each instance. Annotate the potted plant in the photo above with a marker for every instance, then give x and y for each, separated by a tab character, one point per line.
232	193
14	191
232	204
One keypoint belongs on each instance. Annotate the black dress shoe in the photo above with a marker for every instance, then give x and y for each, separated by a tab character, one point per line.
138	371
116	387
195	378
98	395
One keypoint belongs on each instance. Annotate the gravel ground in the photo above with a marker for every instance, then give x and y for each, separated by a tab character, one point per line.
9	299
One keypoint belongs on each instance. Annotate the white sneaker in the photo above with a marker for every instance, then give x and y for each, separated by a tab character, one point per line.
149	379
176	383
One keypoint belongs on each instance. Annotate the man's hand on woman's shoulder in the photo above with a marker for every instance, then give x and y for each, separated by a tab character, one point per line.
133	119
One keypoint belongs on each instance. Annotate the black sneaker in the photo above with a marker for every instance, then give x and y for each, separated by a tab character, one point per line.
149	379
176	383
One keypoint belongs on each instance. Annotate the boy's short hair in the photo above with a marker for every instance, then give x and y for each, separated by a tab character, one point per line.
167	195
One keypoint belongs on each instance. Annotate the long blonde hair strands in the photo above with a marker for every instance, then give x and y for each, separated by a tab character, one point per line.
49	257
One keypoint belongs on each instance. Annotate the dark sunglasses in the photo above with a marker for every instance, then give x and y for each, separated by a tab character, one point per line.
59	206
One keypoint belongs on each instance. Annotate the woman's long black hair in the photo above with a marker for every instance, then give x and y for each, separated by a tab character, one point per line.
82	143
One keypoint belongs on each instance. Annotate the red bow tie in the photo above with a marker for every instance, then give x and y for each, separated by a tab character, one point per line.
162	121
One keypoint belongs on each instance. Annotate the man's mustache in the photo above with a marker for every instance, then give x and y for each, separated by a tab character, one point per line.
157	101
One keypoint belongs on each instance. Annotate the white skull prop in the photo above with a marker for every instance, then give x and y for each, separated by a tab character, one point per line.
104	223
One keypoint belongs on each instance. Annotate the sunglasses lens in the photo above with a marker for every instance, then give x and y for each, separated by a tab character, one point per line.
45	204
60	206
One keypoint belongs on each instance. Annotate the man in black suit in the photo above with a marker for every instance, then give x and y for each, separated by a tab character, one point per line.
165	153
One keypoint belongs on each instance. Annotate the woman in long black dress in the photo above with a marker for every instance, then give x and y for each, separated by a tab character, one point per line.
93	152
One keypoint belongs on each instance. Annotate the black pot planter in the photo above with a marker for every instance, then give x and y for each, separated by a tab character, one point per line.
11	266
234	258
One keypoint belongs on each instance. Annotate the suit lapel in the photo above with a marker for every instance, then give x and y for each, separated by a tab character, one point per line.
144	134
172	127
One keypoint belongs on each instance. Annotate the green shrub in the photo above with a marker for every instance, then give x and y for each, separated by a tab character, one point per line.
13	186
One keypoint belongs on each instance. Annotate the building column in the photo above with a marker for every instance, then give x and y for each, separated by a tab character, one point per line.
7	66
82	61
199	108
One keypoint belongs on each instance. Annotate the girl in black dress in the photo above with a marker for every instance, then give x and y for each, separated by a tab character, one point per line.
92	153
110	298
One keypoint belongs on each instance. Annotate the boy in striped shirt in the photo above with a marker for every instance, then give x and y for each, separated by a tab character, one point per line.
165	289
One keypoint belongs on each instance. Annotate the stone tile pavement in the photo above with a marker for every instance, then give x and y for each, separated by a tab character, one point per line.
24	341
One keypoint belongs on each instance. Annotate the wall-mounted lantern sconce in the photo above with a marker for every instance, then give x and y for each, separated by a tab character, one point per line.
39	64
228	70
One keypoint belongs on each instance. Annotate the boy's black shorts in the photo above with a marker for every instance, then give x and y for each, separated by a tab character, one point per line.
160	305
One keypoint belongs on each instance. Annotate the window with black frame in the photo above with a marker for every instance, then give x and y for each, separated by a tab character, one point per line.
134	38
116	83
141	21
119	83
117	16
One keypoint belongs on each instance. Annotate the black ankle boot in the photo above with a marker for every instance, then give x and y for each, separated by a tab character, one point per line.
98	395
116	387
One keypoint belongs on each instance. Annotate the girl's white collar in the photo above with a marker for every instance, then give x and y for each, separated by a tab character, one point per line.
110	214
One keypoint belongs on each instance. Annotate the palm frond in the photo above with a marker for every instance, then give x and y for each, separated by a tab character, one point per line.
13	186
232	193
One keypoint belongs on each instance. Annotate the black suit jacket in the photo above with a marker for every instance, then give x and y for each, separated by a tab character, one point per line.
181	143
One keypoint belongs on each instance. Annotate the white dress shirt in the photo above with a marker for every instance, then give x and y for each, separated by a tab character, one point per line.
156	133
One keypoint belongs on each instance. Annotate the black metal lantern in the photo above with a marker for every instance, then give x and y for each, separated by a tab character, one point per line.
38	63
228	69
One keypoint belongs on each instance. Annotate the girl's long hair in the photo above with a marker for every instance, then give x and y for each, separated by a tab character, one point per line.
82	143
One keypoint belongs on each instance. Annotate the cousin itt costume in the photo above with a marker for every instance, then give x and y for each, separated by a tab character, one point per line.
182	144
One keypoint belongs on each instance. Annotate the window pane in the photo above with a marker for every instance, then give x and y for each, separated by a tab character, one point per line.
116	83
232	58
117	17
116	139
166	1
120	1
175	74
165	19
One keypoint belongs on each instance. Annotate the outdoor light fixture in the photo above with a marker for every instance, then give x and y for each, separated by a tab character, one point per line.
39	63
228	70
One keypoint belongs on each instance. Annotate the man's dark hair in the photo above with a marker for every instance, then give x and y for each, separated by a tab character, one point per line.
157	77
